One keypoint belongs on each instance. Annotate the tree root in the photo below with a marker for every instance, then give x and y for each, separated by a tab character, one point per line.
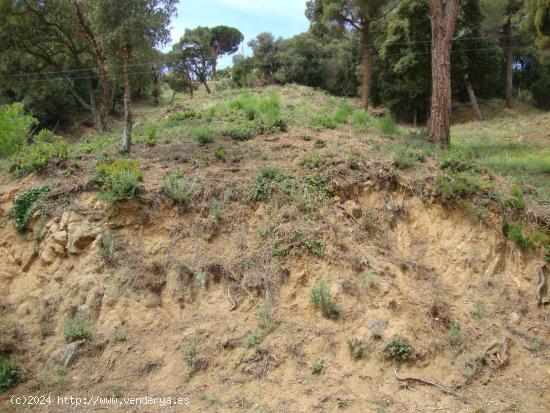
541	288
441	387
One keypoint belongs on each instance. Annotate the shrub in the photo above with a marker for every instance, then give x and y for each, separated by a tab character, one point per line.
8	374
36	157
264	183
241	131
119	180
14	126
203	135
457	160
220	154
320	297
387	125
75	329
515	232
319	144
151	135
299	239
26	204
398	349
318	367
177	187
194	363
312	161
459	185
455	334
323	120
405	157
356	348
370	278
540	89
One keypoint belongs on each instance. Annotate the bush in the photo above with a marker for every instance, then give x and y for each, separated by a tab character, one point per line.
176	186
343	113
457	160
317	367
241	131
455	334
262	186
398	349
459	185
76	329
323	120
26	204
387	125
37	156
8	374
151	135
356	348
405	157
320	297
515	200
515	232
220	154
540	89
203	135
14	126
120	180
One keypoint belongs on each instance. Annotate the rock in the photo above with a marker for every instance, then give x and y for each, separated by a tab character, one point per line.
60	237
58	249
80	235
47	256
515	318
352	209
70	352
27	260
64	220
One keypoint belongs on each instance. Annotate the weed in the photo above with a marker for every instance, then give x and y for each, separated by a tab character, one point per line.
398	349
370	278
459	185
119	180
405	157
241	131
361	119
457	160
151	135
217	208
9	373
203	135
177	187
306	138
37	156
343	113
318	367
319	144
323	120
515	199
515	232
107	247
312	161
76	329
455	334
298	239
320	297
193	362
220	154
265	319
118	335
356	348
387	125
255	338
478	312
26	204
353	161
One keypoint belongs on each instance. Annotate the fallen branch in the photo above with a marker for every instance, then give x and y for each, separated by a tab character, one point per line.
541	288
496	355
441	387
233	303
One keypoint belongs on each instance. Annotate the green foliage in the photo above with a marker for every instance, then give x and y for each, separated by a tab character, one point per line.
26	204
299	239
343	113
151	135
193	362
318	367
457	160
387	126
361	119
540	89
203	135
405	157
37	156
269	178
119	180
241	131
177	187
370	278
319	144
398	349
312	161
220	154
75	329
455	334
515	231
356	348
14	126
9	373
323	120
515	199
459	185
321	298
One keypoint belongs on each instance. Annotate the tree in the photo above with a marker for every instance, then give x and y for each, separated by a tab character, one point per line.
444	16
224	41
539	22
357	15
124	27
265	48
193	56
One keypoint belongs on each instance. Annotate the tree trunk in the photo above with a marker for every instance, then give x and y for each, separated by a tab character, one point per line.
96	114
206	87
173	96
415	116
216	54
443	19
127	134
509	56
367	68
472	95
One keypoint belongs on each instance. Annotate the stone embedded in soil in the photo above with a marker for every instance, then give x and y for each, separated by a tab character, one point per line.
60	237
80	235
352	209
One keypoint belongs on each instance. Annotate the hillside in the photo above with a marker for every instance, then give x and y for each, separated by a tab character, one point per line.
279	250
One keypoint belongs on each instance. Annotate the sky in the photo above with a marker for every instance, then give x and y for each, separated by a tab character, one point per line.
283	18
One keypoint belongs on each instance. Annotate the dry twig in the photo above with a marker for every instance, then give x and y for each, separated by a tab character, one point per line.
441	387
